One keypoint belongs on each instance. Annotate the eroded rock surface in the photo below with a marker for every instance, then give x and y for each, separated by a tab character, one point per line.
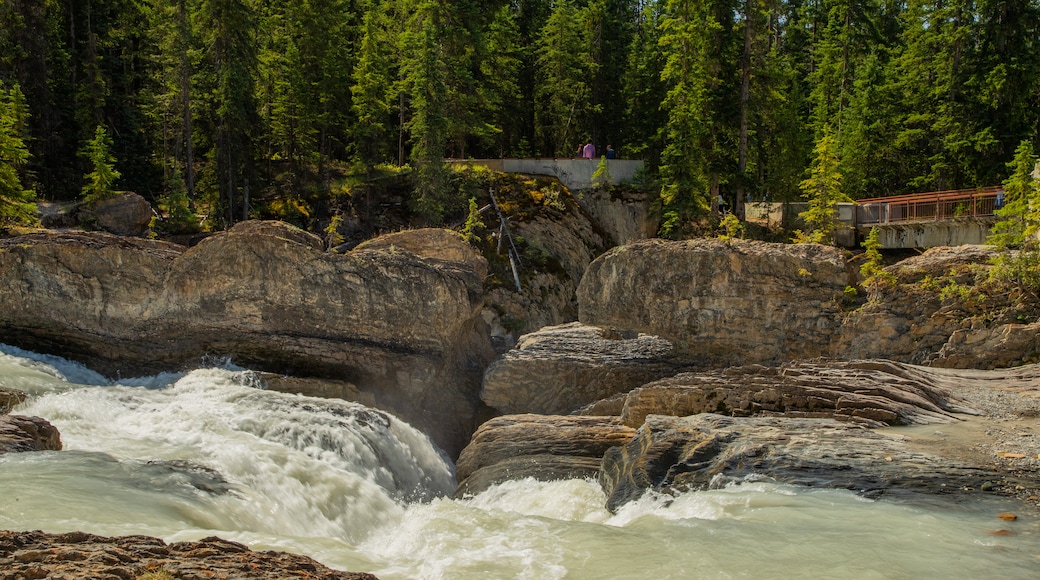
9	399
539	446
683	453
20	434
874	392
265	294
77	555
560	368
721	302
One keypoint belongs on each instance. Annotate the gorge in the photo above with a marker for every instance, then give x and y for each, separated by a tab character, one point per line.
691	386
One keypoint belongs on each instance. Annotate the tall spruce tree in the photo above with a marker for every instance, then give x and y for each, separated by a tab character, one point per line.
16	201
562	92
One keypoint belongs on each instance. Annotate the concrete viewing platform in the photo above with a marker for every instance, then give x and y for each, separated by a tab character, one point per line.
574	174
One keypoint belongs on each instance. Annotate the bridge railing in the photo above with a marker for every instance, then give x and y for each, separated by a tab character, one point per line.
930	207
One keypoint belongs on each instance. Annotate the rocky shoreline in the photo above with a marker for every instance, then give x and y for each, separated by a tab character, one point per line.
26	555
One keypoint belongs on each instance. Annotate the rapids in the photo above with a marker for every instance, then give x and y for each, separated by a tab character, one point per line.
184	456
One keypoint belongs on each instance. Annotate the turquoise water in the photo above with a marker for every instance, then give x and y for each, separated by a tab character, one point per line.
208	453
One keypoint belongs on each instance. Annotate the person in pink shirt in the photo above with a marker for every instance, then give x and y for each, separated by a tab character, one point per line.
588	151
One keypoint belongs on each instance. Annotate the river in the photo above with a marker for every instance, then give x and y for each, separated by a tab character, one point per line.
185	456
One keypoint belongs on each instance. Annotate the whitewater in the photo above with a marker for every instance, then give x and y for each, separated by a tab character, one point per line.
209	452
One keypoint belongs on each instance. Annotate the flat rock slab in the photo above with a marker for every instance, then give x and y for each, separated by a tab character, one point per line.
20	434
708	450
77	555
874	392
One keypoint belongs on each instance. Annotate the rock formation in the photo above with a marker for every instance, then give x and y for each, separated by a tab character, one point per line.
80	555
872	392
9	399
125	214
911	321
403	327
808	423
539	446
700	451
721	302
20	434
561	368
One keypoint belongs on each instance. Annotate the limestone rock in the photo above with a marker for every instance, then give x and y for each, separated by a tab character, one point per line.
1004	346
702	451
561	241
404	328
539	446
432	243
874	392
909	323
560	368
9	399
80	555
623	213
126	214
19	434
720	302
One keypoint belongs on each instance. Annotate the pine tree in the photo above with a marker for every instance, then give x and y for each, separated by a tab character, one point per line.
562	92
701	131
1019	217
822	189
16	202
371	89
103	174
424	84
228	30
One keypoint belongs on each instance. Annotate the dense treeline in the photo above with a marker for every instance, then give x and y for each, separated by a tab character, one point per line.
219	101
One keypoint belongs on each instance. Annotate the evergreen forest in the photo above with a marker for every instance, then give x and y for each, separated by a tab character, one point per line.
222	104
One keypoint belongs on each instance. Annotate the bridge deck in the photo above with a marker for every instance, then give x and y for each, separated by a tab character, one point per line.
930	207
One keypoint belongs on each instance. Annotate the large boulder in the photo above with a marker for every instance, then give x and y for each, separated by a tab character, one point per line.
20	434
721	302
558	369
405	328
80	555
538	446
707	450
125	214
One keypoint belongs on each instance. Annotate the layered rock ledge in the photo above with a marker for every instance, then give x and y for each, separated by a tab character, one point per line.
813	423
403	327
77	555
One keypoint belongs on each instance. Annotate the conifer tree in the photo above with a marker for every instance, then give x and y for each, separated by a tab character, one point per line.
562	92
371	89
103	174
1019	217
16	202
822	190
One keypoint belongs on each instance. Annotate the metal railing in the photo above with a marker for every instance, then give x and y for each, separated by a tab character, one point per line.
930	207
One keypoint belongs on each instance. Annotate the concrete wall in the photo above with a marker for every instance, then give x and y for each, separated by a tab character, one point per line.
931	234
575	174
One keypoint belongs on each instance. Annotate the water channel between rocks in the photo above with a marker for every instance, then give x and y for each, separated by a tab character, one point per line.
206	453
